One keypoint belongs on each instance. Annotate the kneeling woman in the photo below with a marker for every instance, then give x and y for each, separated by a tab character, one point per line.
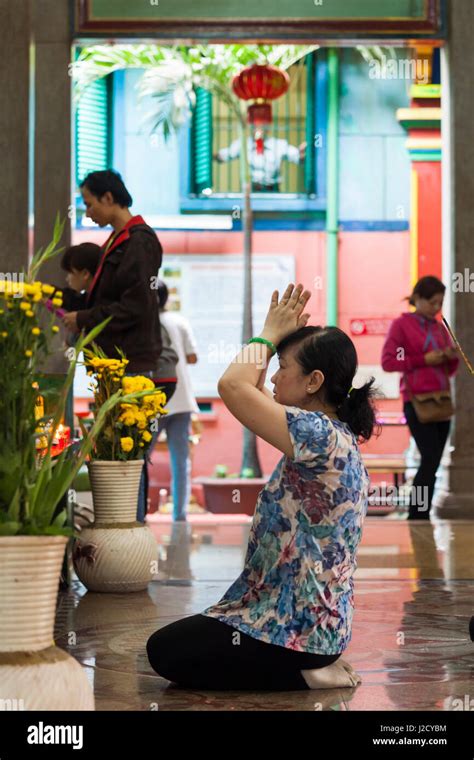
284	623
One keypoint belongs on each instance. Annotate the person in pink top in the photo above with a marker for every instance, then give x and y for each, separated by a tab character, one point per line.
419	346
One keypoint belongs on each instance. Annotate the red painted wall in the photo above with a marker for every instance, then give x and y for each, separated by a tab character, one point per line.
373	279
429	218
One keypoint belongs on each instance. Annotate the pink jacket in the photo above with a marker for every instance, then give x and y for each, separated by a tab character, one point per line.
417	335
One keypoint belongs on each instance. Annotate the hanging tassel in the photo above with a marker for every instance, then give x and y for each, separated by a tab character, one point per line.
259	141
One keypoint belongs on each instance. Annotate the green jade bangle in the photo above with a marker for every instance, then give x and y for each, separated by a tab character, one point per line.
264	340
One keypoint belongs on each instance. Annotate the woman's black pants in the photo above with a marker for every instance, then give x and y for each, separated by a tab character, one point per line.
200	652
430	438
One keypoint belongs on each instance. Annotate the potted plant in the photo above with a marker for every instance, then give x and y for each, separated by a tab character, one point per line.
33	671
117	553
231	493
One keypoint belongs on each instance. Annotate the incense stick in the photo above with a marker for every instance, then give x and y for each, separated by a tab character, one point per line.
456	342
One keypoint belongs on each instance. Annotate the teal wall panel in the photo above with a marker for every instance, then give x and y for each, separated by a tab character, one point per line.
264	9
375	167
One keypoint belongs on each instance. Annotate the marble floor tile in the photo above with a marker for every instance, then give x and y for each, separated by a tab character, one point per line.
414	596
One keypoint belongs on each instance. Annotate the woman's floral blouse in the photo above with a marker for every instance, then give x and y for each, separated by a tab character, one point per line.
296	588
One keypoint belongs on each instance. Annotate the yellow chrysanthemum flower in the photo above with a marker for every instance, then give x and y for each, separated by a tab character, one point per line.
139	383
141	421
25	306
57	302
126	444
154	403
30	313
28	353
36	331
48	289
13	288
147	436
128	418
55	329
4	334
128	384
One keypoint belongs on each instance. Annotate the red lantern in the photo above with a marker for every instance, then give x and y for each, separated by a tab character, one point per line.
260	84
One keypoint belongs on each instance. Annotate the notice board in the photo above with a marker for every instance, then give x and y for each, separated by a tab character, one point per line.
209	291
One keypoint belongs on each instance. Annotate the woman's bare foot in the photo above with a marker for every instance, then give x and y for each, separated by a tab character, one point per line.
337	675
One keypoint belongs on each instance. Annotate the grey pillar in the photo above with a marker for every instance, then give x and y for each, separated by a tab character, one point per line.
459	501
52	141
52	31
14	109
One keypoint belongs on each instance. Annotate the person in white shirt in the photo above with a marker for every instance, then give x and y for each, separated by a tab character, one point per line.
181	405
265	154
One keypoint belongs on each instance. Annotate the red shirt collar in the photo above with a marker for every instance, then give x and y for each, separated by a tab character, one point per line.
124	232
123	235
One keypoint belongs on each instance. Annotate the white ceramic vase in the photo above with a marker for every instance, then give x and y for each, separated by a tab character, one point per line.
116	554
34	673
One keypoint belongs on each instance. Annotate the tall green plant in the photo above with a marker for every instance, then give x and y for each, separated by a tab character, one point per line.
32	482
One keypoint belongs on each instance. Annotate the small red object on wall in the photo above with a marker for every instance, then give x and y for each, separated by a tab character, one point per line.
370	325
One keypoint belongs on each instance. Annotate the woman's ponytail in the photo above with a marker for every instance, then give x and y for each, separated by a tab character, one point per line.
358	411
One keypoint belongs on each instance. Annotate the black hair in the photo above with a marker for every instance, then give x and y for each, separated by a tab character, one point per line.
331	351
162	294
426	287
82	256
108	181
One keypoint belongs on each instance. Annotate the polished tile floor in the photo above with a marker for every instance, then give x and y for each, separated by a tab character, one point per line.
414	596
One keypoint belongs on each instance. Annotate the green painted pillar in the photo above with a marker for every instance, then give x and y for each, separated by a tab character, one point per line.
332	188
201	136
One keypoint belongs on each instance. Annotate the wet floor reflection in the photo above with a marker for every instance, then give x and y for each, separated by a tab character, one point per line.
414	595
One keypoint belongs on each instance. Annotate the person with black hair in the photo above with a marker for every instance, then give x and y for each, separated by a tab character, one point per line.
80	263
419	347
165	379
177	421
121	287
284	623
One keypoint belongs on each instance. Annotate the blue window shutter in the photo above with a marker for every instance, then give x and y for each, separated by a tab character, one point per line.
201	141
92	129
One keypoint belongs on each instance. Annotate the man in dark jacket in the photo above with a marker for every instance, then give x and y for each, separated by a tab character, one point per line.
121	287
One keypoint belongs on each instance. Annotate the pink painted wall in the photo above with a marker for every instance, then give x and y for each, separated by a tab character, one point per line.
373	278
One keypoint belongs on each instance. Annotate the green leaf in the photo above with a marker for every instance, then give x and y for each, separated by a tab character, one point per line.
60	519
9	528
51	250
